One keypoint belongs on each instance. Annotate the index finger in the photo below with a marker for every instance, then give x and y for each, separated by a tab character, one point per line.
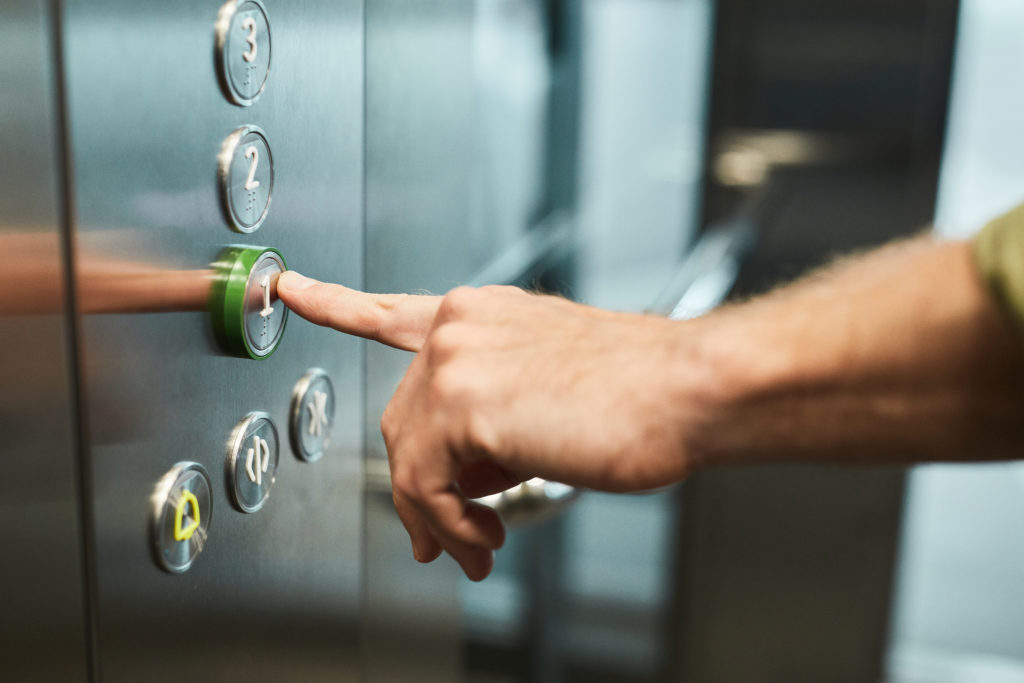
398	320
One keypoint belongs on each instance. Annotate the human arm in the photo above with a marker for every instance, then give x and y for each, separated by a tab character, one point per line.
899	354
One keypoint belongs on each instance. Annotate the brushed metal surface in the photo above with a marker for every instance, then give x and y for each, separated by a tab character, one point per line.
43	629
276	595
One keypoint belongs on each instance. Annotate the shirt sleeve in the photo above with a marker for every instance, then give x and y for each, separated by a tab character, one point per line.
999	255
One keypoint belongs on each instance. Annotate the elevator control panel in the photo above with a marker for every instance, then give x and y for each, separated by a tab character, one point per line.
312	415
252	460
246	170
243	50
248	318
182	511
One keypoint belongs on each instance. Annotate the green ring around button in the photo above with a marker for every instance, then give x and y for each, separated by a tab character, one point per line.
227	299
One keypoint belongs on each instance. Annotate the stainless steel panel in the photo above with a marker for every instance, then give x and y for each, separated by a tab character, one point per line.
419	136
42	589
274	595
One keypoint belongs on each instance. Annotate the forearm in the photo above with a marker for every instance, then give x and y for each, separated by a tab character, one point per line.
898	355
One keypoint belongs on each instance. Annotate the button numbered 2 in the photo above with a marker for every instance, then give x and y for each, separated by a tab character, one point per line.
246	170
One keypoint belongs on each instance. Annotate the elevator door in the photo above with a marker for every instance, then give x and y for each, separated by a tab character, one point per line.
155	92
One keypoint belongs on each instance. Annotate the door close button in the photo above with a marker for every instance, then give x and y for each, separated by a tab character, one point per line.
312	415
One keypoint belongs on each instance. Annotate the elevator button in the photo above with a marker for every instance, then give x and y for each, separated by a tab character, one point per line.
243	50
246	170
182	509
252	461
248	318
312	415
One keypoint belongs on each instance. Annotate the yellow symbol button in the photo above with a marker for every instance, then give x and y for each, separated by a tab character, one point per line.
187	499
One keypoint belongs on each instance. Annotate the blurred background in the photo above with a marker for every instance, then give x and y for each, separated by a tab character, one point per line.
642	155
694	150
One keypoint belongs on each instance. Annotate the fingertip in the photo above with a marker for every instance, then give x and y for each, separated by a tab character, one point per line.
478	567
426	553
293	281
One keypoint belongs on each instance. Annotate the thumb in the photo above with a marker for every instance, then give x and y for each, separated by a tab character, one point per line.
398	320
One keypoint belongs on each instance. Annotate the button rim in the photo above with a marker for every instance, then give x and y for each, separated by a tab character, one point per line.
225	159
225	16
227	299
235	444
295	412
159	498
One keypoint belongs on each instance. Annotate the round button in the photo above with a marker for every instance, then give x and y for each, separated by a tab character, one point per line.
312	415
248	318
246	170
243	50
182	510
252	461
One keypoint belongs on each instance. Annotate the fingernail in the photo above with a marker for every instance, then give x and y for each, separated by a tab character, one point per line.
295	281
417	554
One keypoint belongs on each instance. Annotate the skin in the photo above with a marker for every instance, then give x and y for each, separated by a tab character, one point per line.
898	355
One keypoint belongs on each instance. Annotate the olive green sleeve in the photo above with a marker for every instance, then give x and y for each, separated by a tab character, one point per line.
999	254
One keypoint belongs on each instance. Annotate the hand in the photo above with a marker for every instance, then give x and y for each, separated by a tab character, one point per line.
506	386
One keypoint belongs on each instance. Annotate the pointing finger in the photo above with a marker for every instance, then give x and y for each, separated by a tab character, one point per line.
398	320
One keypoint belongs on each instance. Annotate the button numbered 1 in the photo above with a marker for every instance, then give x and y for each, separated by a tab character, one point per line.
243	50
248	318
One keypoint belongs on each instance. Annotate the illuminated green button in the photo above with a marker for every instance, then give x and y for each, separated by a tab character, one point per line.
248	318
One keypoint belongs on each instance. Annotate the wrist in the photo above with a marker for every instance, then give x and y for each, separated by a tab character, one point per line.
724	370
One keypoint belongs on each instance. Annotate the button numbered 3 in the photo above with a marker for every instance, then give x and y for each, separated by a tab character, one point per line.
243	50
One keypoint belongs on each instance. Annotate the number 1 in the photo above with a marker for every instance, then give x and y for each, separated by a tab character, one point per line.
267	309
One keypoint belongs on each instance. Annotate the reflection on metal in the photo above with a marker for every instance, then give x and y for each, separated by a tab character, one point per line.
746	158
532	501
530	253
528	503
706	276
43	633
32	281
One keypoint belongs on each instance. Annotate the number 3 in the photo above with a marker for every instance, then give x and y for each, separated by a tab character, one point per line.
249	24
252	153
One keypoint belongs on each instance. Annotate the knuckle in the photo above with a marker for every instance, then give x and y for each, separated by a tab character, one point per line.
481	434
380	317
444	343
458	302
403	484
448	384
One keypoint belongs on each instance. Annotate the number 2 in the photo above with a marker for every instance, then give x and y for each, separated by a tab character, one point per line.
254	155
249	24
